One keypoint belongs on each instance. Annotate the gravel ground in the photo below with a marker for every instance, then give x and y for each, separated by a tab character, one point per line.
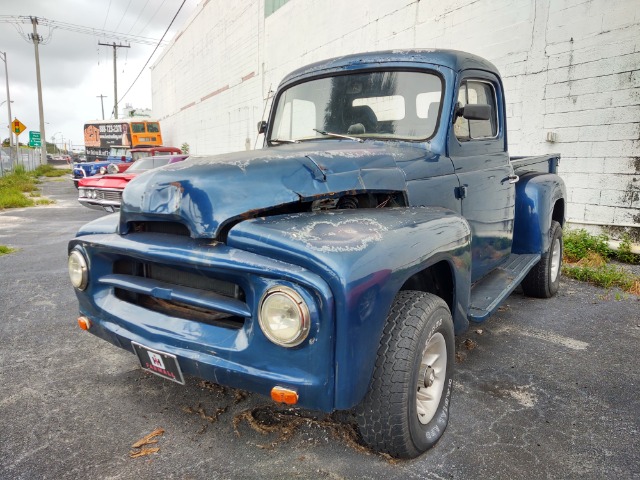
543	389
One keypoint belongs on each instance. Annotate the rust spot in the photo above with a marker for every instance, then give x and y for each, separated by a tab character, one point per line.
178	185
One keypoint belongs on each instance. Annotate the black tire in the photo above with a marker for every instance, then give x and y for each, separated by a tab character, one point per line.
388	418
544	279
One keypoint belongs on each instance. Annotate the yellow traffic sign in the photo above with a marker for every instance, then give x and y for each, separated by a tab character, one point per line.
17	126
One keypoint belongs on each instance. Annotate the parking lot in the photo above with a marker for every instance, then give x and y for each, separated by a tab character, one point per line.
543	389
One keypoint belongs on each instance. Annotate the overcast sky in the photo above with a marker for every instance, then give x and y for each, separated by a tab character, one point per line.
74	68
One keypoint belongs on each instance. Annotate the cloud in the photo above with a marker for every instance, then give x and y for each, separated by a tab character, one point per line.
74	68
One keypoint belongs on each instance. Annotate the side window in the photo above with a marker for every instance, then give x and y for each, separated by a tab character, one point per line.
473	92
298	120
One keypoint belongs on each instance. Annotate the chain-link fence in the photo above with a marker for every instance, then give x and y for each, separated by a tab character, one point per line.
9	159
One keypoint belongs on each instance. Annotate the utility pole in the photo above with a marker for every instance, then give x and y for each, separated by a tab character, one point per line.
36	40
6	71
101	97
115	74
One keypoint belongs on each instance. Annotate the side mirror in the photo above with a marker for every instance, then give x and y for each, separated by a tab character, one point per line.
262	127
474	112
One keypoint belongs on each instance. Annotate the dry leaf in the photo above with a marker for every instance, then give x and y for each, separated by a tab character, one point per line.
144	452
149	438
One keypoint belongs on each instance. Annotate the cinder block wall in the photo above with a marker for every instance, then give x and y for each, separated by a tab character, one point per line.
571	70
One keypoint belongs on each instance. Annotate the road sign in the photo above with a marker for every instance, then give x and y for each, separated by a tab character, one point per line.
34	139
17	126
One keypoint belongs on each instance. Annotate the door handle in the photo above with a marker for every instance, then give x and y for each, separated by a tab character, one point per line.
513	178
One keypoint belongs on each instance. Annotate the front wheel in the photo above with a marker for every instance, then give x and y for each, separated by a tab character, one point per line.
543	280
406	409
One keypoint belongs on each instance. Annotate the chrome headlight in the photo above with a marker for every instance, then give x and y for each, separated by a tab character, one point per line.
78	270
103	170
93	193
284	316
112	168
81	193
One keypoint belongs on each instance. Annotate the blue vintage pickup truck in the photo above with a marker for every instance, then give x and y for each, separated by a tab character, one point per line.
332	268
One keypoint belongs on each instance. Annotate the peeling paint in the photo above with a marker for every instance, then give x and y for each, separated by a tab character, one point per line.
350	235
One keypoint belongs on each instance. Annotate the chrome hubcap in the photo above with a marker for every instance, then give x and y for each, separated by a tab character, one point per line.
433	369
555	259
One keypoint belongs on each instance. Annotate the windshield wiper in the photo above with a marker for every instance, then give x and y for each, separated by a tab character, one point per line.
276	140
338	135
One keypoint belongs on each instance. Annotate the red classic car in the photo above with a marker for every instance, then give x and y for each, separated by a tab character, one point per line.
138	153
105	191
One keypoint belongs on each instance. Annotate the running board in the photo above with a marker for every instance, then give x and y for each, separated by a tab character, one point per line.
488	293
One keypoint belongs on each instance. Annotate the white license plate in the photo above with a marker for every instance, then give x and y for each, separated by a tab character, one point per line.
163	364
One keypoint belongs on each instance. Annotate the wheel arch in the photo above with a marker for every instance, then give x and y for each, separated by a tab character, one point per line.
440	278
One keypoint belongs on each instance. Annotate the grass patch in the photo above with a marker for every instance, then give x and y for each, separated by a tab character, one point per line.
607	276
50	171
586	259
4	250
11	198
15	185
579	244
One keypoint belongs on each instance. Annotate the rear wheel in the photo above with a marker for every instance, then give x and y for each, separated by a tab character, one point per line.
543	280
406	409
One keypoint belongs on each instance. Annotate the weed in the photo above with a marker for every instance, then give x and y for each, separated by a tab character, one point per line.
12	198
578	244
49	171
4	250
624	253
607	276
19	182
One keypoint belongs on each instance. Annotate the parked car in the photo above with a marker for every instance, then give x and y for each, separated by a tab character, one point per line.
119	160
330	269
105	191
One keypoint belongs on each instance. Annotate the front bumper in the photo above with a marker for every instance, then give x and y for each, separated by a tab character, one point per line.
108	199
237	357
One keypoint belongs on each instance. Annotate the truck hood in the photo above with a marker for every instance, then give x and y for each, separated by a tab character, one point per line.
206	193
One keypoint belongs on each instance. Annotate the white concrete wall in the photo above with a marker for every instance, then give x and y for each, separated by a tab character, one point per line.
570	67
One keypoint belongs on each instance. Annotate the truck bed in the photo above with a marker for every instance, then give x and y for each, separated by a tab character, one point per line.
540	163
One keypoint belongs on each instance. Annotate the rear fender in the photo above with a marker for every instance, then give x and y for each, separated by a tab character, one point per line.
536	197
365	255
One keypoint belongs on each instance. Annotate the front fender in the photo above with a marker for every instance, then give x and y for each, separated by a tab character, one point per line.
103	225
365	255
536	197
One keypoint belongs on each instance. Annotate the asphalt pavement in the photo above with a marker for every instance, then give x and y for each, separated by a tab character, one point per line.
543	389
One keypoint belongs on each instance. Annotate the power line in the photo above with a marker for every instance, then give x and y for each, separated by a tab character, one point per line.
53	24
123	15
107	15
154	51
154	16
138	18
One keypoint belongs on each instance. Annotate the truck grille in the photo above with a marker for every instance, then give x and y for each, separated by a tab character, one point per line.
167	276
172	228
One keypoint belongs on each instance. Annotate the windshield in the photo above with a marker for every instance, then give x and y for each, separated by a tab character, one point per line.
138	155
148	163
118	152
380	104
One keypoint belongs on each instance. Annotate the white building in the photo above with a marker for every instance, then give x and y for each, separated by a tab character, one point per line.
571	70
130	111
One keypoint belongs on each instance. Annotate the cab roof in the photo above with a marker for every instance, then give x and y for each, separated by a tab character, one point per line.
453	59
